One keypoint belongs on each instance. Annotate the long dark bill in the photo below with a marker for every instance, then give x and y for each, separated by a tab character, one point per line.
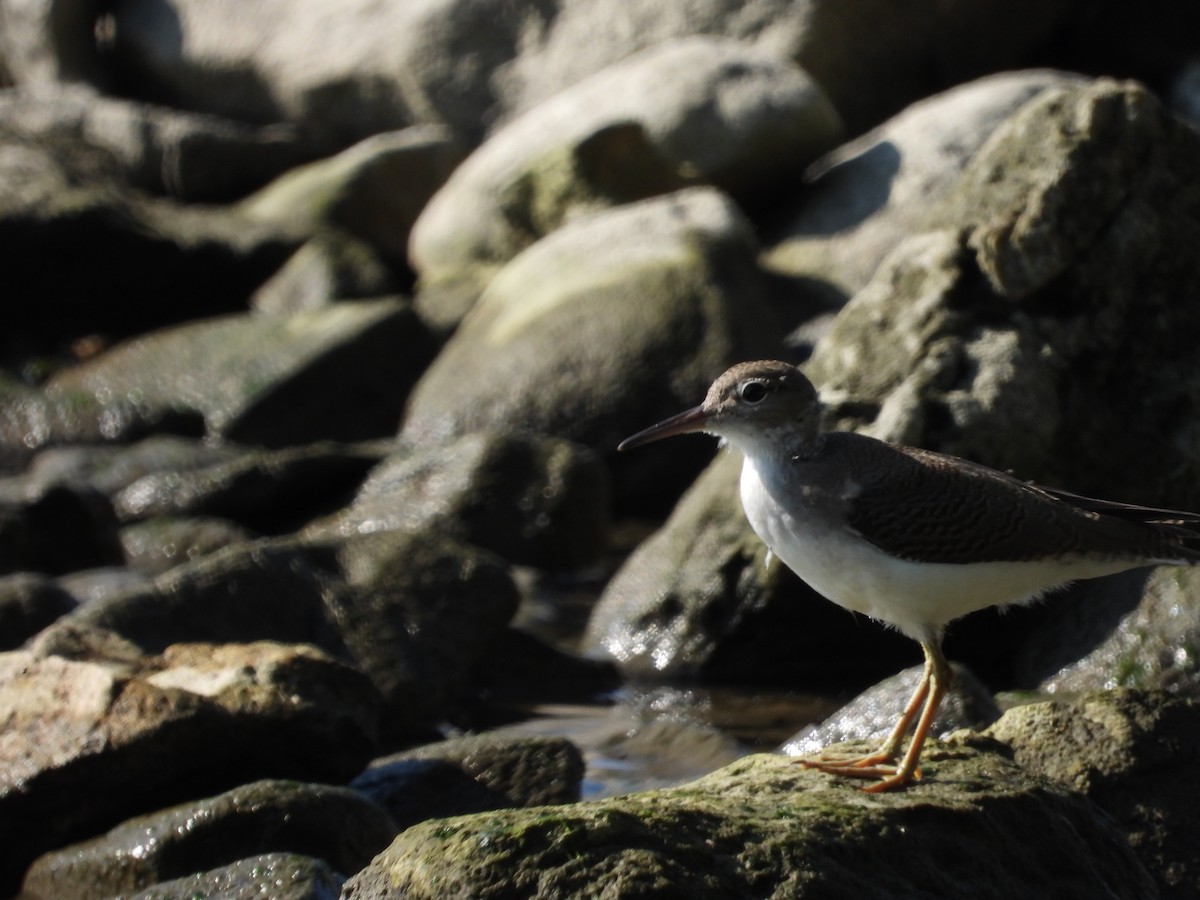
684	423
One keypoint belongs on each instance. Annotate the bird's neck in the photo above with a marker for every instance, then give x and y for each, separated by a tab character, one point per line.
778	446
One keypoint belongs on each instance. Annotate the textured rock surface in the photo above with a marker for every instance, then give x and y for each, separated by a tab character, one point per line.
473	774
766	827
872	714
533	500
703	109
158	729
245	374
613	321
1131	753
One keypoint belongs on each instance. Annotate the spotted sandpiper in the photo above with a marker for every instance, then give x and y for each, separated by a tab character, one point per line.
909	537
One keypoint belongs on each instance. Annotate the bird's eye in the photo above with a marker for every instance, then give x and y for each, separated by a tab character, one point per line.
752	392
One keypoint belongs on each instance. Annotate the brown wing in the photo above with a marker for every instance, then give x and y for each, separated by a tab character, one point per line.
927	507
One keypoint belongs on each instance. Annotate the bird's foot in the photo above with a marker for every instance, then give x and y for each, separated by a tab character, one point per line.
875	765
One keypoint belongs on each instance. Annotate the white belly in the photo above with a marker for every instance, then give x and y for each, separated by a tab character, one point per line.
917	598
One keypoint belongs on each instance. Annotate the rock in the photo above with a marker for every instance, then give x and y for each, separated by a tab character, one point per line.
864	198
872	73
337	825
372	191
340	76
126	252
698	599
609	324
30	421
189	156
281	876
1132	753
44	41
156	545
872	715
416	614
272	491
28	603
110	469
140	733
869	74
765	827
271	380
473	774
521	671
533	500
328	268
55	529
257	591
702	109
1139	629
99	585
1000	337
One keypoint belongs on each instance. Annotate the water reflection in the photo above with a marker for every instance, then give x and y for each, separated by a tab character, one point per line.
646	737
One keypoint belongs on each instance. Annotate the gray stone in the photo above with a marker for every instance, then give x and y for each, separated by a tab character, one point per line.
55	529
328	268
373	190
416	614
96	259
338	825
1131	752
864	198
765	827
188	156
1038	325
138	733
44	41
156	545
272	380
1140	629
271	491
869	73
281	876
872	714
533	500
705	109
28	603
610	323
341	76
32	420
473	774
111	468
255	591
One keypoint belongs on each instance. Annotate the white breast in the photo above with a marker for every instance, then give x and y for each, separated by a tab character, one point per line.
917	598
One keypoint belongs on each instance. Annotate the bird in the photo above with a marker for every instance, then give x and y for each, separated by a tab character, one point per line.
909	537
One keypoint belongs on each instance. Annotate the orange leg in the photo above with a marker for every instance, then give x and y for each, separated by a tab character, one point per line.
926	698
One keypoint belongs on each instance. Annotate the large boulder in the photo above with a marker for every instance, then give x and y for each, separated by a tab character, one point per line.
340	373
693	110
608	324
533	500
141	733
1131	753
766	827
338	825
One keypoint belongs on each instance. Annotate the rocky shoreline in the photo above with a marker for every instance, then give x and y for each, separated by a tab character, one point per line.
325	322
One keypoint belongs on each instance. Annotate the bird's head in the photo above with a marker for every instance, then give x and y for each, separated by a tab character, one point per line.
754	404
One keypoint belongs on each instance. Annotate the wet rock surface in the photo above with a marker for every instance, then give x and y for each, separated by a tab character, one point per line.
338	825
324	322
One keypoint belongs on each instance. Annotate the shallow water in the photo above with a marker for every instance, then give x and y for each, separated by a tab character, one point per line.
648	737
